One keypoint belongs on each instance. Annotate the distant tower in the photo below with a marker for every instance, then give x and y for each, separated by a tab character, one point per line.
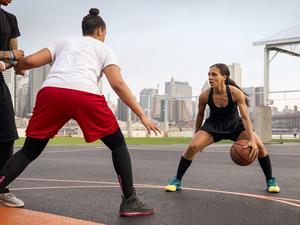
180	109
150	102
236	73
37	76
22	98
122	110
10	79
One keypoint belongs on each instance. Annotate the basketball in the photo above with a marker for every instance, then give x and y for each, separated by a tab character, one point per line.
240	155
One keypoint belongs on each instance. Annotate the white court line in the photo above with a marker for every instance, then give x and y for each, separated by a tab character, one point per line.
65	187
77	150
263	197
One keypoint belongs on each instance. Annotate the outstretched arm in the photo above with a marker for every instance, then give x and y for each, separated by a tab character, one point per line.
117	83
37	59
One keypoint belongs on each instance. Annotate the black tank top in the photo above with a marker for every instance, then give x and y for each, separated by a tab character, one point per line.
222	119
227	113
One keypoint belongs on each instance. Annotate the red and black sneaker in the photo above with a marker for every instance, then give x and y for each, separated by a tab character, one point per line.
133	206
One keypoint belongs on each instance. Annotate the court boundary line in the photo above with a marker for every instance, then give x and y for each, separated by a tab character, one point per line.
287	201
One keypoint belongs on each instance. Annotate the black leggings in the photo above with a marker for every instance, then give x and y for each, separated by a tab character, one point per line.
121	160
16	164
6	151
33	148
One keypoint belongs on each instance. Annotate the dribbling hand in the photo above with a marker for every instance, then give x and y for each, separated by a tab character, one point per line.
253	149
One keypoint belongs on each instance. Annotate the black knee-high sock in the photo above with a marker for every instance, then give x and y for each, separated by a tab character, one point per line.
6	151
121	161
265	164
184	164
19	161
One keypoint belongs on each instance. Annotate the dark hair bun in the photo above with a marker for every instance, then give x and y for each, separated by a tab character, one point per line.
94	12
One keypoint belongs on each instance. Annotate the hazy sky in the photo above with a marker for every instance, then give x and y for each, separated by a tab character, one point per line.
158	39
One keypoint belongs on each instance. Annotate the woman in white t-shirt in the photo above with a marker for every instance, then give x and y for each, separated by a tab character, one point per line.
71	92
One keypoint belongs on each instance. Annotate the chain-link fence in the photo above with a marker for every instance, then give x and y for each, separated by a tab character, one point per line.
176	115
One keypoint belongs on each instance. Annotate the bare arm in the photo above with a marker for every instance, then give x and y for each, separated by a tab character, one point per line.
37	59
241	102
201	108
117	83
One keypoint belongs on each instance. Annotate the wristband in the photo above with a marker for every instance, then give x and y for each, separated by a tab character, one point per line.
4	66
12	56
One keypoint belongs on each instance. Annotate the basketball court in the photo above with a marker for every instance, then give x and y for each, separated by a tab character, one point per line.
77	185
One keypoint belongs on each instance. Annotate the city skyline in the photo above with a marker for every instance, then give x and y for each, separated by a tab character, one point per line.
178	93
157	40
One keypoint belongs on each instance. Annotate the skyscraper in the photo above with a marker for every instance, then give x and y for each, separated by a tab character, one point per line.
10	79
123	111
256	97
37	77
180	100
236	73
22	97
150	102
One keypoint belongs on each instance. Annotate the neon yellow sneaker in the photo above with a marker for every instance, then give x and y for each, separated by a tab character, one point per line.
174	185
272	186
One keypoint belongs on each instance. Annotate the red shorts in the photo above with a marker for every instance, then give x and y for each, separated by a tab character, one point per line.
56	106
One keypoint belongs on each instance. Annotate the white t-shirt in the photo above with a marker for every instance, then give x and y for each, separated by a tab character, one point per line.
78	64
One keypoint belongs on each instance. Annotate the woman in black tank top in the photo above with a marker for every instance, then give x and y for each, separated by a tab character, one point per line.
225	100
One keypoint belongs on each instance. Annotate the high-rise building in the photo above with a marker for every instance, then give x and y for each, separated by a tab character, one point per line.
18	87
236	73
123	110
37	76
150	102
22	97
179	95
256	98
10	79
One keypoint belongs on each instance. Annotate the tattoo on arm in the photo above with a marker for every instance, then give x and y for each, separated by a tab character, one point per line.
13	44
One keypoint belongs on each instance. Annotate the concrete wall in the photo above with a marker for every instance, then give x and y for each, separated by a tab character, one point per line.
263	123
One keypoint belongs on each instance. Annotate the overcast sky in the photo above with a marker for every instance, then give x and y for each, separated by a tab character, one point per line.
158	39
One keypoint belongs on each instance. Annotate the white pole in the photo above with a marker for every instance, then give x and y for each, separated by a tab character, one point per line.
129	123
266	76
166	123
148	107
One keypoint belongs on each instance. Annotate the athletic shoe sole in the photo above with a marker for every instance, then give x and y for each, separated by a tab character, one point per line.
11	205
172	188
129	214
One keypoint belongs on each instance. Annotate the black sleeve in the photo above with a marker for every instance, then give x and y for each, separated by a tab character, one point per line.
14	27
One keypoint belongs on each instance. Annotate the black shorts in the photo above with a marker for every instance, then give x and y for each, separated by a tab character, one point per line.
232	134
8	130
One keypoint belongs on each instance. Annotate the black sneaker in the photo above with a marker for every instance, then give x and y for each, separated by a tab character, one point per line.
133	206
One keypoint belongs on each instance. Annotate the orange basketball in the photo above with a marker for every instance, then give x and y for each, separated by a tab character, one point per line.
240	155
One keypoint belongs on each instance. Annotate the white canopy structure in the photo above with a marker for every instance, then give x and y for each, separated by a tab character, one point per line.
285	41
